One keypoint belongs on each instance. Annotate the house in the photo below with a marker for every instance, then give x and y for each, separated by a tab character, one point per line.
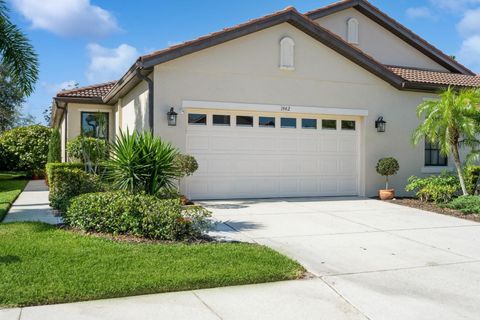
286	105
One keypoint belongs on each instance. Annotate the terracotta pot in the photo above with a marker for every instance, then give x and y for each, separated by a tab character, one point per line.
387	194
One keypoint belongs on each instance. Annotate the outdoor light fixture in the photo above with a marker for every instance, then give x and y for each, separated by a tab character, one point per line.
172	117
380	124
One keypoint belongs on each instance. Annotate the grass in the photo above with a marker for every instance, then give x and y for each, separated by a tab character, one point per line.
8	175
9	191
41	264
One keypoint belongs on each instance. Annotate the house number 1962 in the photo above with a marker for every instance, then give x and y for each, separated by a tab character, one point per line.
285	108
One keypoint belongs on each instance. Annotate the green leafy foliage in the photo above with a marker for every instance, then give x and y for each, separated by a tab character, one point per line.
439	189
186	164
466	204
472	174
87	149
54	147
66	183
27	148
136	214
141	162
387	167
50	168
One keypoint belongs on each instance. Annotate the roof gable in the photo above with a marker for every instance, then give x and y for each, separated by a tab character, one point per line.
394	27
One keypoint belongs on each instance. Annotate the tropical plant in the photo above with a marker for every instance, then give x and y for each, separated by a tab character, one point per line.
387	167
448	120
90	151
466	204
54	147
27	147
441	188
17	54
141	162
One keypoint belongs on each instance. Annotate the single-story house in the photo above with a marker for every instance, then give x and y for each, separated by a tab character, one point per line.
286	105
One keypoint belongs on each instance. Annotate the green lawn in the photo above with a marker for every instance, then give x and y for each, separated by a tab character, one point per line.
40	264
9	191
7	175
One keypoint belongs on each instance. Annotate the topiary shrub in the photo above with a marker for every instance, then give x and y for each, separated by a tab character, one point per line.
66	183
54	147
138	215
387	167
50	168
466	204
438	189
471	176
27	147
186	165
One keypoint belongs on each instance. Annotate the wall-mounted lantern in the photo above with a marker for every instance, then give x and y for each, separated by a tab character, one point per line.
380	124
172	117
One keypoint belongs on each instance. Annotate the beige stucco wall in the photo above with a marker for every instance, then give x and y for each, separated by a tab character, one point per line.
61	127
74	118
378	42
246	71
134	109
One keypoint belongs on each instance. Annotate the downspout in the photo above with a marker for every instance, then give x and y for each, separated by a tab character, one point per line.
150	96
65	114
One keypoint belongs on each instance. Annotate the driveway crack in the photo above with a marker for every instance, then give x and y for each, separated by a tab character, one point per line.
207	306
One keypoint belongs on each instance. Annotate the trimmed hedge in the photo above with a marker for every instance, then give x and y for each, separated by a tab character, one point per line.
466	204
67	183
50	168
138	215
54	147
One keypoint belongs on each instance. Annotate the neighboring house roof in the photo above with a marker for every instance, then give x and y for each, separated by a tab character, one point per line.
93	91
435	77
396	28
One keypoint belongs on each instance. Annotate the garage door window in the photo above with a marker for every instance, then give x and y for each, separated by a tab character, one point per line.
348	125
221	120
309	123
244	121
266	122
329	124
197	119
288	123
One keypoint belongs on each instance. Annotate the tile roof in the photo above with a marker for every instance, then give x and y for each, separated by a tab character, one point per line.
435	77
93	91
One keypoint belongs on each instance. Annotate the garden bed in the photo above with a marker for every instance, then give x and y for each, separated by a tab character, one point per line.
433	207
42	264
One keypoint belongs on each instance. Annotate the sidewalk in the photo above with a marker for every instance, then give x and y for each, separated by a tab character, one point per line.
33	205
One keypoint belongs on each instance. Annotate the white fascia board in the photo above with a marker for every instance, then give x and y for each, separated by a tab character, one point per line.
271	108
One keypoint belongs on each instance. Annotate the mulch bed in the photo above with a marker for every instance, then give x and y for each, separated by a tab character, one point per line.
433	207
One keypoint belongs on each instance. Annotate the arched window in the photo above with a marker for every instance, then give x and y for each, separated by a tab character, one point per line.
352	31
287	54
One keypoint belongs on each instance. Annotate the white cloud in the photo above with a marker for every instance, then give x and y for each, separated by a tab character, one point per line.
470	23
470	52
109	63
454	5
419	13
53	88
68	17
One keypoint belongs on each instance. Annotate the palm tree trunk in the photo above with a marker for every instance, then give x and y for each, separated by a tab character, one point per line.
458	165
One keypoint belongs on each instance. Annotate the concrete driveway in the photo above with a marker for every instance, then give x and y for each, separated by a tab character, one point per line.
386	261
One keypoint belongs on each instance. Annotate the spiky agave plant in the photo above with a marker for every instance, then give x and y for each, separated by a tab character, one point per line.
141	162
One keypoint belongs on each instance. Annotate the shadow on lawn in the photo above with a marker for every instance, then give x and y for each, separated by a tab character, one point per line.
9	259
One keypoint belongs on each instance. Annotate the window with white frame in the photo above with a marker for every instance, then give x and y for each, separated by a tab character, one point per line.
287	54
352	31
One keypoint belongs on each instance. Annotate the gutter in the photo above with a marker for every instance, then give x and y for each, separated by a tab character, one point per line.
138	73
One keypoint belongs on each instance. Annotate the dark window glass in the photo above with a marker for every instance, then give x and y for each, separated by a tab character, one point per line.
288	123
309	123
196	118
329	124
246	121
221	120
266	122
95	124
433	157
348	125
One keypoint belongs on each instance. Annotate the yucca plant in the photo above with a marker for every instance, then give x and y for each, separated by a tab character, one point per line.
141	162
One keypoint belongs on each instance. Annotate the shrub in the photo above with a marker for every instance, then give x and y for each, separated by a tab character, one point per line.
471	175
67	183
50	168
186	165
87	149
440	188
466	204
387	167
27	147
54	147
141	162
139	215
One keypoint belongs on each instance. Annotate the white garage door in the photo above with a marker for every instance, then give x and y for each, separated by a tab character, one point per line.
250	155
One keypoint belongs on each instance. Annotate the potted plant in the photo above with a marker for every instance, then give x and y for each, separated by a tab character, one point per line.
387	167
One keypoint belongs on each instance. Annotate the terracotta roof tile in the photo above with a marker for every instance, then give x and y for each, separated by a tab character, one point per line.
93	91
435	77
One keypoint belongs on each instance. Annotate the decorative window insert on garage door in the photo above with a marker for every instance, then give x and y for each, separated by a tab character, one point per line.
239	161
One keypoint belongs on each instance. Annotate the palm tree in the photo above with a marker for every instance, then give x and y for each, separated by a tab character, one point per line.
17	55
449	120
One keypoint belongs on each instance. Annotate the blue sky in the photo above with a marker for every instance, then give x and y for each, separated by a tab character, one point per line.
91	41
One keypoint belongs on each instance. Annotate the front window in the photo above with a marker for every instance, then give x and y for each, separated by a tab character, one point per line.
95	124
433	157
267	122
